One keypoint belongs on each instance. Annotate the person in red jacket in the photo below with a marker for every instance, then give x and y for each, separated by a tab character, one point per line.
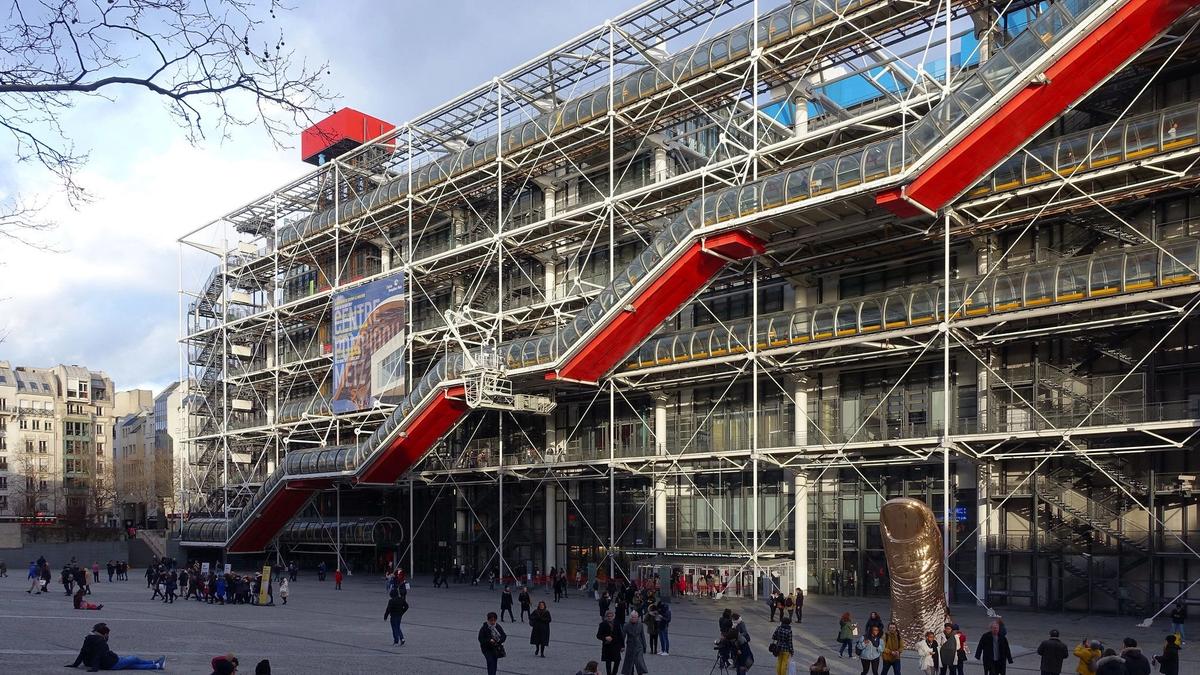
337	579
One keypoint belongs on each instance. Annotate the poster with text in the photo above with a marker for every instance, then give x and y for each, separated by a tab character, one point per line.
368	344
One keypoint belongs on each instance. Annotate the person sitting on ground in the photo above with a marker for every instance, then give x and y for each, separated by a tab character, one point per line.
80	603
592	668
96	655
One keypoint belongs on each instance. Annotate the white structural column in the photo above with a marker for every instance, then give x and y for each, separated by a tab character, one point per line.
800	528
660	164
660	481
800	410
983	512
551	534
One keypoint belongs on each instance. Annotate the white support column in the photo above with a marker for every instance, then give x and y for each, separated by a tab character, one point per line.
660	482
983	512
660	164
800	528
551	535
800	116
549	205
800	410
551	559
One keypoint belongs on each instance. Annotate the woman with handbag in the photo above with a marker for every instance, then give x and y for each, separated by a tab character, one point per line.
781	645
847	631
491	642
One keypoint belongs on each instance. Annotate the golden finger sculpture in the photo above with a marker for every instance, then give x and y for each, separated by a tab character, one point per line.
912	543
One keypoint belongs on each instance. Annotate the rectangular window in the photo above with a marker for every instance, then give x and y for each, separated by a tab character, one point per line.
3	464
37	424
23	423
3	482
3	502
28	445
42	447
49	426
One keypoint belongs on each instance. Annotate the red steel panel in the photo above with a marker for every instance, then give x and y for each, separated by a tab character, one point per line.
420	435
1096	56
688	274
346	124
278	510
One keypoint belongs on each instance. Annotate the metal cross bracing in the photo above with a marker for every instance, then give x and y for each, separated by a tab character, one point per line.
735	178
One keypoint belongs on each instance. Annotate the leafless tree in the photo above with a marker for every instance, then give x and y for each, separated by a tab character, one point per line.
216	64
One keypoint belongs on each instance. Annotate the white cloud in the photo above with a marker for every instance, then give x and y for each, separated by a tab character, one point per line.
109	299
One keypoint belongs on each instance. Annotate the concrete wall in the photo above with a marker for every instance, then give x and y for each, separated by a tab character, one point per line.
85	552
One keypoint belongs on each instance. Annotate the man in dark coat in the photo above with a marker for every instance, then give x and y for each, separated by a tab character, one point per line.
1053	653
506	602
994	649
1136	662
611	643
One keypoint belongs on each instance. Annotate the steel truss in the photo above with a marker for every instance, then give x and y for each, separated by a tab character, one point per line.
517	246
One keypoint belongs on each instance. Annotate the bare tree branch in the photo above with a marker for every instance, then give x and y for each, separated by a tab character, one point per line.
211	62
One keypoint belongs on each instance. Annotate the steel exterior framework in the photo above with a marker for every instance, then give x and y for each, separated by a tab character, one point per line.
475	242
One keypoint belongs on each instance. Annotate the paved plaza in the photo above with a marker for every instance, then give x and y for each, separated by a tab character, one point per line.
322	630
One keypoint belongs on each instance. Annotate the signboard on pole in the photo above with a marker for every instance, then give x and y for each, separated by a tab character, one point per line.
368	343
228	568
204	567
266	584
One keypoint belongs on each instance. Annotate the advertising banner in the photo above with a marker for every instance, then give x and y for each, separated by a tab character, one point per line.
265	585
368	344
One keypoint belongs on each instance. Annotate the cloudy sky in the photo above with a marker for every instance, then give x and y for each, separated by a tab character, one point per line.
106	298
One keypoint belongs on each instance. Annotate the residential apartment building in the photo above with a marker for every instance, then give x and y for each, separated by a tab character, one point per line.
56	431
149	460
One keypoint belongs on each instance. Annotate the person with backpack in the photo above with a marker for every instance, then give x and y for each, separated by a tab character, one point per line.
396	607
893	645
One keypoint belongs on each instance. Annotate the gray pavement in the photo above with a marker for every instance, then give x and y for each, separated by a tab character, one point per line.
326	631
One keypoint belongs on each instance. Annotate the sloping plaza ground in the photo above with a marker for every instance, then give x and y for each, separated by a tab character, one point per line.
322	630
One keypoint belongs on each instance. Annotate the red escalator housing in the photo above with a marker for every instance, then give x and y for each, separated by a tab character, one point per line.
1111	44
407	449
418	437
686	275
278	510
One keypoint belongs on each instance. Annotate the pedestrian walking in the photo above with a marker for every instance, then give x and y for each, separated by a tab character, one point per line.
539	632
506	604
847	631
321	568
927	653
799	605
337	578
994	650
611	643
96	655
634	635
396	607
781	646
869	650
1168	661
523	599
893	645
491	642
96	571
284	589
1053	653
